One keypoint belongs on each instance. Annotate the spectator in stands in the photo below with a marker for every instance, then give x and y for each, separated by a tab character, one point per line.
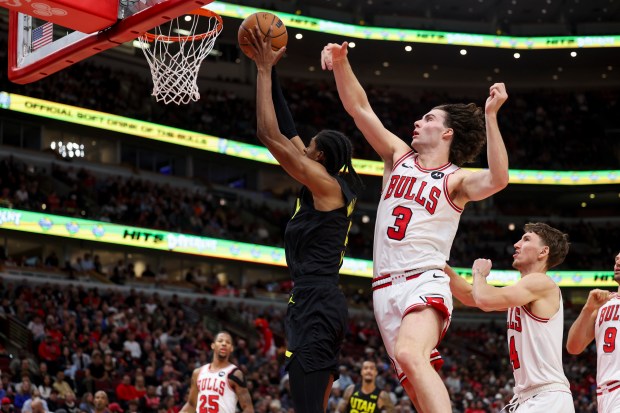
37	328
62	386
267	346
49	351
132	345
71	405
97	264
150	401
148	273
125	391
7	406
96	367
101	402
80	360
45	388
86	404
35	403
54	402
23	392
86	384
88	264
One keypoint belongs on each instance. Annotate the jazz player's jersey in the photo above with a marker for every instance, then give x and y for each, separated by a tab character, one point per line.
535	348
361	402
418	217
214	391
608	344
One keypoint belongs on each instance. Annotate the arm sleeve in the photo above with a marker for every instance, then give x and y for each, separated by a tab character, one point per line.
283	114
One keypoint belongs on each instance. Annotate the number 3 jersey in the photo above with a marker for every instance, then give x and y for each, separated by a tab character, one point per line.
214	391
416	219
535	349
608	355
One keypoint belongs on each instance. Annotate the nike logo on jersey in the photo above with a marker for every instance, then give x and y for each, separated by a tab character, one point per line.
406	165
437	276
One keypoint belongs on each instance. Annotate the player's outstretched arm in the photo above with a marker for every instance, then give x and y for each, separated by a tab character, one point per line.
460	288
239	385
581	333
283	113
355	102
192	399
483	184
287	153
526	290
346	396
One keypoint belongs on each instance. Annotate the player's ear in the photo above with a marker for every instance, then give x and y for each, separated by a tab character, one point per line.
544	251
449	131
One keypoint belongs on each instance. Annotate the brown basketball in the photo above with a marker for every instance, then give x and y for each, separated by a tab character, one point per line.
264	20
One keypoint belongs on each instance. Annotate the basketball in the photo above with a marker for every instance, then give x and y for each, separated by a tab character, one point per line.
264	20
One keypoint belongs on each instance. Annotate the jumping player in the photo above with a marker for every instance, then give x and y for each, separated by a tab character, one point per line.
315	237
219	385
424	193
535	318
599	319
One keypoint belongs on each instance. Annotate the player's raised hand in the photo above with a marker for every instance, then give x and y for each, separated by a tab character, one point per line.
597	298
261	45
331	53
497	97
482	266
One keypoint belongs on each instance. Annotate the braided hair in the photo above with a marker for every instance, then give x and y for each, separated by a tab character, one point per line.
338	153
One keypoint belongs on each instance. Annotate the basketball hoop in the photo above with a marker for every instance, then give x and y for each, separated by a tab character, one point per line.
175	57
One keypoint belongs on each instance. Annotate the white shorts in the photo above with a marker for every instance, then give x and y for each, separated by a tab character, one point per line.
548	402
609	402
396	295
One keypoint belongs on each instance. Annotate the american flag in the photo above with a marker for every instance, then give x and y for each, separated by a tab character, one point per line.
42	35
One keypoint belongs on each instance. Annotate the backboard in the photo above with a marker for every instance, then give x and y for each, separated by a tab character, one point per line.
38	47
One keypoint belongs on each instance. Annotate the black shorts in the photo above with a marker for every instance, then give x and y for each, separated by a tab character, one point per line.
316	321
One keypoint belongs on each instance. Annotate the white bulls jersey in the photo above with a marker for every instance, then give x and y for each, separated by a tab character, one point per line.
416	219
214	391
535	348
608	343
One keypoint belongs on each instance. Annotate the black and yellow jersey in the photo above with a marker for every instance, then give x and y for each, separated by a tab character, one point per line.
361	402
315	241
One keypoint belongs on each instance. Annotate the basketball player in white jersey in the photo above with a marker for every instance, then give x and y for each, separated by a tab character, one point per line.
535	318
219	385
424	193
600	319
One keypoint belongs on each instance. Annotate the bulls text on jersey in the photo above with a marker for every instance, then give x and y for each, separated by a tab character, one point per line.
609	313
405	187
514	319
212	384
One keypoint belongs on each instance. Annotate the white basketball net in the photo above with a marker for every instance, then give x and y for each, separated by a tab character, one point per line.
175	58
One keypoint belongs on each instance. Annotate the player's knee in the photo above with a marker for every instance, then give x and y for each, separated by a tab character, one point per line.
410	358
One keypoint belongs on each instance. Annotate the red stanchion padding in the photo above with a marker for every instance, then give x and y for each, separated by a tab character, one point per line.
86	16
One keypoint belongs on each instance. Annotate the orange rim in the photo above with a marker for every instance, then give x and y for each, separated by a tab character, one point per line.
199	12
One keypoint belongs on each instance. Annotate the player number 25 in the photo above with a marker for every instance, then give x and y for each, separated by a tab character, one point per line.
210	404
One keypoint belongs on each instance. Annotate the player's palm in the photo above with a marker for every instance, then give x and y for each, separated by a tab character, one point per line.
263	53
331	53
